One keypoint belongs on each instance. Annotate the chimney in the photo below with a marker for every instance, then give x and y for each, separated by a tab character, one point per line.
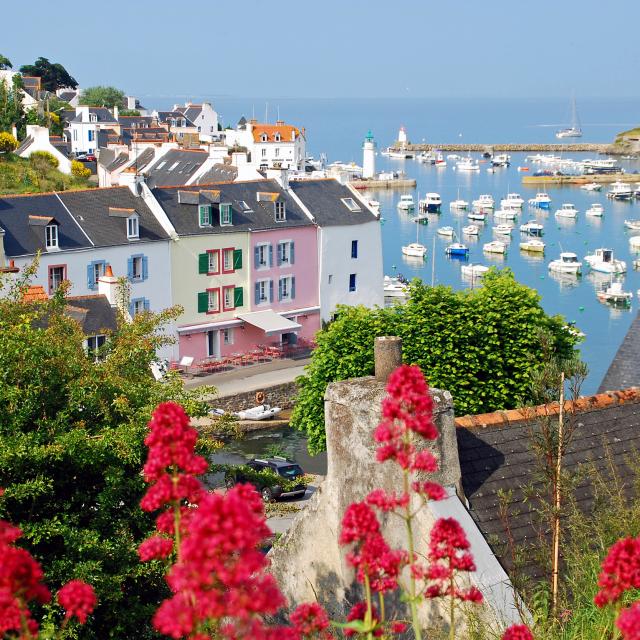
116	111
281	176
238	159
134	183
3	256
84	111
108	286
14	131
279	123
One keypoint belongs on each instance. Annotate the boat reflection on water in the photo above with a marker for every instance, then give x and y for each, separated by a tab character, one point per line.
565	280
532	257
599	280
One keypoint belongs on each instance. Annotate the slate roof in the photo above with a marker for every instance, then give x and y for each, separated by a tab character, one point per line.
175	167
83	218
61	145
219	173
102	115
26	143
624	370
184	217
67	96
150	134
164	116
94	313
119	161
144	159
323	199
495	455
140	122
106	156
191	112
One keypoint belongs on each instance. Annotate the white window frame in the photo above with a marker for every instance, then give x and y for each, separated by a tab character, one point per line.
263	287
280	210
228	336
136	260
263	256
284	285
138	305
351	204
133	228
95	349
51	237
264	152
228	298
226	214
212	298
284	252
229	266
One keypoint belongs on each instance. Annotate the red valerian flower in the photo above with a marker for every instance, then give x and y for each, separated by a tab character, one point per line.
620	571
310	619
398	627
429	490
517	632
358	612
154	548
359	521
387	501
78	599
629	622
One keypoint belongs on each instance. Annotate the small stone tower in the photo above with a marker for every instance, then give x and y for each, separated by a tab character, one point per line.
369	157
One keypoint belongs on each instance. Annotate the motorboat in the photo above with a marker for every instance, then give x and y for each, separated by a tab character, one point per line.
471	230
541	200
596	209
467	164
431	203
620	191
398	154
261	412
457	249
604	262
512	201
534	245
458	205
473	270
614	294
453	156
495	246
567	263
414	250
446	231
634	225
395	287
501	160
406	203
592	186
601	165
533	228
440	162
477	215
634	243
503	229
506	214
484	202
567	210
636	192
425	156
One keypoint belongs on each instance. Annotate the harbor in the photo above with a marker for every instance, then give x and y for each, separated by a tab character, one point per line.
565	180
573	147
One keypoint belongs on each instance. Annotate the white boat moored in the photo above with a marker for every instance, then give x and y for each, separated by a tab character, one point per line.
567	210
431	203
506	214
261	412
604	262
533	245
496	246
414	250
533	228
620	191
446	231
567	263
592	186
503	229
471	230
473	270
596	209
395	287
614	294
634	225
406	203
541	200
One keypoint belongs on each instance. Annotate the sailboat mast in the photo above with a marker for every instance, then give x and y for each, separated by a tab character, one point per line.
433	262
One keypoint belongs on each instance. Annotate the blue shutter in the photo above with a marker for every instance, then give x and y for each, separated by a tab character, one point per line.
130	269
280	289
293	287
291	253
270	290
147	305
280	247
90	281
270	255
256	257
145	267
257	293
131	308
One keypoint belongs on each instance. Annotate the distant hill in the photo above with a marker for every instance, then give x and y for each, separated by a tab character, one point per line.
628	141
20	175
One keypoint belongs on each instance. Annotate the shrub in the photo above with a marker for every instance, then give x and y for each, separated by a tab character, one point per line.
79	170
7	142
42	157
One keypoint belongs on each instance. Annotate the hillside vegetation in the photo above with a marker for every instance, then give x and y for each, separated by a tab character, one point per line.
37	175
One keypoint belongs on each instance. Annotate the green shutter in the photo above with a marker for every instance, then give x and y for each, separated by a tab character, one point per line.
238	297
203	302
203	263
237	259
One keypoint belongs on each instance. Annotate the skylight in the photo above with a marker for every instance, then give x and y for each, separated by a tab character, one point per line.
351	204
244	206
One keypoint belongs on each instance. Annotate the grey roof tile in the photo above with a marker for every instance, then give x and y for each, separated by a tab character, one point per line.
624	371
175	168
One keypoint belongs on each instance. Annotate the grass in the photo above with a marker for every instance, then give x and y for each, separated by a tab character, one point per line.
21	175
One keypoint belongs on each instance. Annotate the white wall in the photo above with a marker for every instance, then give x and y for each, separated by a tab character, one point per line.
41	142
336	261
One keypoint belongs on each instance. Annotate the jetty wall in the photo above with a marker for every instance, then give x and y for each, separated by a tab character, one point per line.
590	147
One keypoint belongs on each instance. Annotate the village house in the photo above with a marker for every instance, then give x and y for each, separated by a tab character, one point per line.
203	117
83	128
38	140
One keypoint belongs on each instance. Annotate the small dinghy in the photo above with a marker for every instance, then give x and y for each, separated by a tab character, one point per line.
261	412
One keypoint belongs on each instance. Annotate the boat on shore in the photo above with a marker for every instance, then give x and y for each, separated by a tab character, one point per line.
567	263
604	262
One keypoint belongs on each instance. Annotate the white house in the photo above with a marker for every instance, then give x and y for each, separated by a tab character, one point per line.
349	245
84	127
38	140
28	101
271	146
203	117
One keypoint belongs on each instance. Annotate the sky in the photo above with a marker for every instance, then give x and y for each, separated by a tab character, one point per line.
334	48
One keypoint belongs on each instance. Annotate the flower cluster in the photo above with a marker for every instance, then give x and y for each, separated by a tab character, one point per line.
629	622
620	571
449	555
517	632
78	599
407	409
358	612
310	620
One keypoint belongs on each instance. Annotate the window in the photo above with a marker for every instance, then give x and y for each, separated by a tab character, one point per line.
330	279
227	336
263	253
280	210
133	227
287	288
57	275
277	138
277	152
264	291
227	260
352	282
213	261
213	303
94	344
75	135
139	305
264	153
173	166
285	253
354	248
138	268
204	212
225	215
245	207
51	236
91	133
95	271
351	204
263	137
228	298
93	117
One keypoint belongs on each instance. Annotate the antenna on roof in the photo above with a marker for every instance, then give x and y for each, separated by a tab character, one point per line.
278	112
266	112
253	111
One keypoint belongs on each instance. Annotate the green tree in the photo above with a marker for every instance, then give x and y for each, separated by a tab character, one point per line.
103	96
129	112
53	75
5	63
11	109
480	345
71	451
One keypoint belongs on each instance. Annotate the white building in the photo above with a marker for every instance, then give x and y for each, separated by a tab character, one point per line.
28	101
83	129
203	117
38	140
270	146
349	246
369	157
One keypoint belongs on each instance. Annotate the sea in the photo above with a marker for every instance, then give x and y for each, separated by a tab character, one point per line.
337	127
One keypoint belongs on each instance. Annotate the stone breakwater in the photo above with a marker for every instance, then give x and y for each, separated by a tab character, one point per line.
481	148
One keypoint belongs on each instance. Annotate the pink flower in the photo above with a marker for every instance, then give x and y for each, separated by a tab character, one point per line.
154	548
309	619
398	627
387	502
429	490
358	521
78	599
620	571
517	632
358	612
629	622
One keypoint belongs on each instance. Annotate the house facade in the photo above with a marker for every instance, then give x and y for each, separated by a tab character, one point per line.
38	140
84	127
203	117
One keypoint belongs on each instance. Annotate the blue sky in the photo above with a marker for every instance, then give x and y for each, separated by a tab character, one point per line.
335	48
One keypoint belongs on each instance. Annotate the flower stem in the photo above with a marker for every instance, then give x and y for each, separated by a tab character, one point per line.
452	608
176	514
410	546
368	616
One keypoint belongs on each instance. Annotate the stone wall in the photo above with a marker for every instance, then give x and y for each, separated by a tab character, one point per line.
280	395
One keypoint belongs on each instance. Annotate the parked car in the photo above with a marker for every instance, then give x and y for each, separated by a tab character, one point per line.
81	157
273	478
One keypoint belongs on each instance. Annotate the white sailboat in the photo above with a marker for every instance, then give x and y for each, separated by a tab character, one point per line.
415	249
574	131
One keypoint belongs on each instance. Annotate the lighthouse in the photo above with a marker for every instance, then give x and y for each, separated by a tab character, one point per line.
402	137
369	157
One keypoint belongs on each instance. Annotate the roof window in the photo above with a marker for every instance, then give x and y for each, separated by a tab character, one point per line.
226	212
264	137
51	236
245	207
280	210
133	227
351	204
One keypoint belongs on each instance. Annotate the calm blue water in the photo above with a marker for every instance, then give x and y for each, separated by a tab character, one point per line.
337	128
